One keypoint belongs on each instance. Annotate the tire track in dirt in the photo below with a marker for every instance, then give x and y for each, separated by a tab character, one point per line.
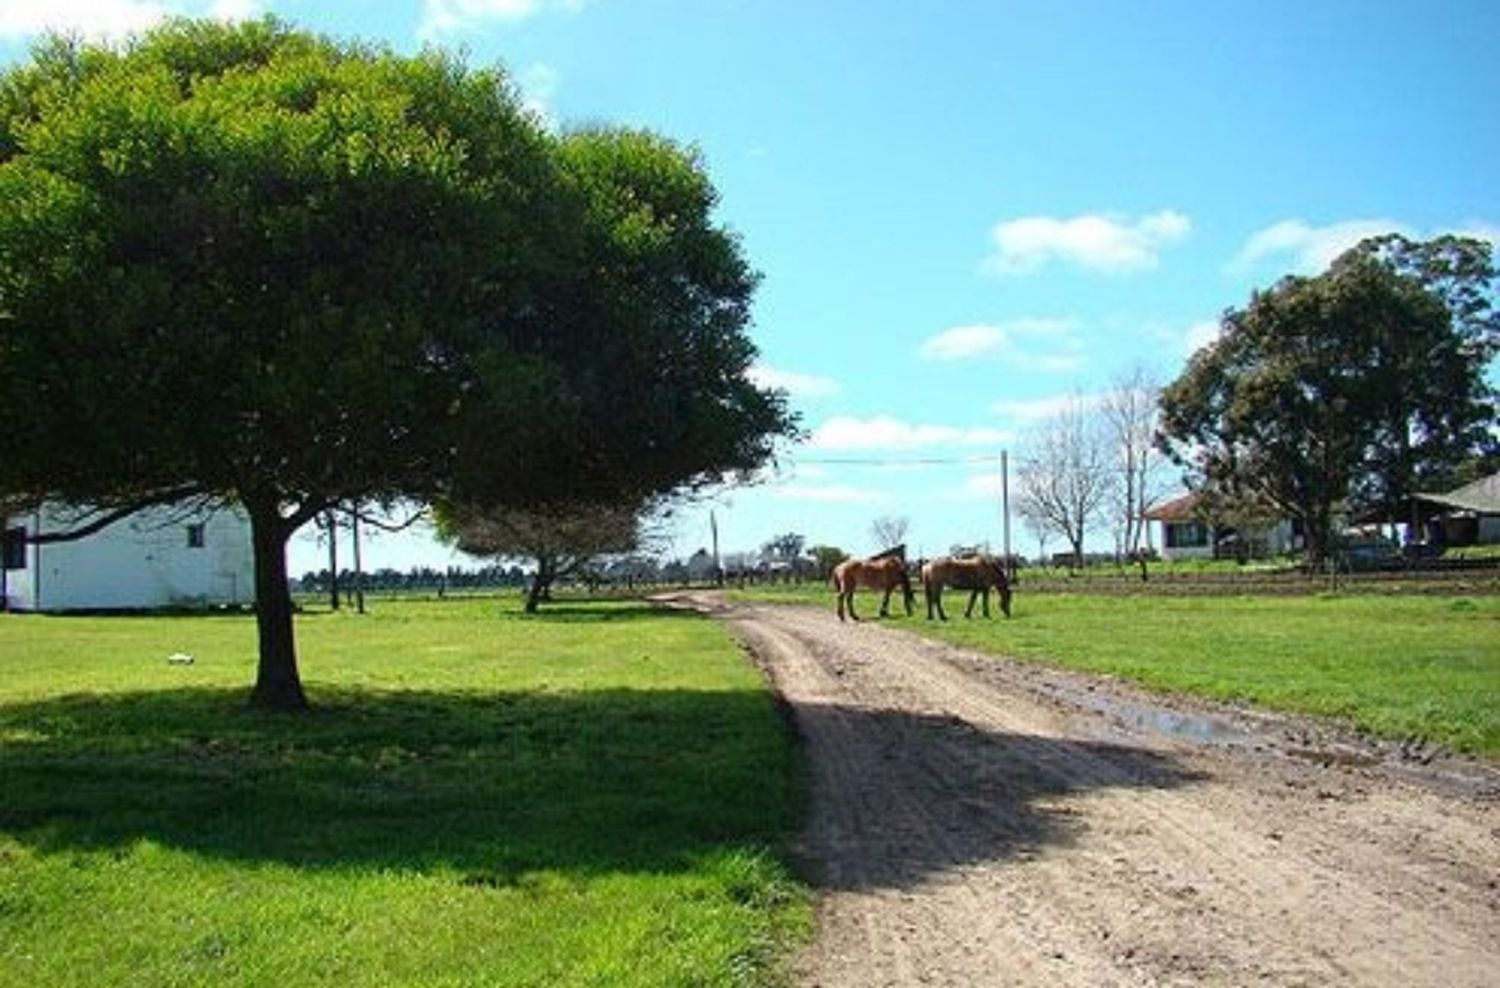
976	821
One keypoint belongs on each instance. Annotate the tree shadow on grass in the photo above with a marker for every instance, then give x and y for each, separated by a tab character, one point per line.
492	785
587	611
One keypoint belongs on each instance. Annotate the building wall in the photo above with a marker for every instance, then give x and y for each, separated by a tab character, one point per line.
1278	539
144	561
1177	542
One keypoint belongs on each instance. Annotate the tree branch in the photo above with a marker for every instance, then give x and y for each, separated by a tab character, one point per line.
105	517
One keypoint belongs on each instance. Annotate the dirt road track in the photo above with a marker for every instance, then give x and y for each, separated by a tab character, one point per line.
976	821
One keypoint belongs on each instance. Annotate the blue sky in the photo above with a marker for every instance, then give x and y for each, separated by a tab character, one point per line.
967	212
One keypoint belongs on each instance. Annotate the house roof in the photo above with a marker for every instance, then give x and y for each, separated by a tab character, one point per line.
1182	508
1481	497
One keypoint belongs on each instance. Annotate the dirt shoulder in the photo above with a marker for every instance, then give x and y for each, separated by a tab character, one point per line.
979	821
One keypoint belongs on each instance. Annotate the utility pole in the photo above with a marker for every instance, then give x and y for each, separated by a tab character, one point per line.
713	525
1005	507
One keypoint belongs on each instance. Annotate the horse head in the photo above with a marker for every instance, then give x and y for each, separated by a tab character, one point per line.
1002	585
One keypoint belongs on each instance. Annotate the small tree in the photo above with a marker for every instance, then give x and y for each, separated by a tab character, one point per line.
787	546
825	558
561	540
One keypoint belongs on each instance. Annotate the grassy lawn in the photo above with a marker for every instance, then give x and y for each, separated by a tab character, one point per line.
594	796
1423	666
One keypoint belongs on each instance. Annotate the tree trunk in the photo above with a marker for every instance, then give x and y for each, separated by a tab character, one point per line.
278	686
539	588
359	566
1077	544
541	583
1318	531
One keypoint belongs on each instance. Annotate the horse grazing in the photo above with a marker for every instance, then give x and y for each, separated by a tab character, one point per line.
883	572
976	574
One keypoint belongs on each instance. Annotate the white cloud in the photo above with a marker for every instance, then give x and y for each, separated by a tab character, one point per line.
831	493
1200	335
538	85
1310	248
110	20
235	10
441	17
984	487
1480	230
793	383
1028	410
962	342
1010	341
1099	242
847	432
96	19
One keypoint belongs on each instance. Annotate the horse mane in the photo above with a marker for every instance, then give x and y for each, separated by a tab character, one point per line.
894	552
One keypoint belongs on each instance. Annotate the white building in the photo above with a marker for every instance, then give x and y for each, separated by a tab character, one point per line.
1185	534
156	558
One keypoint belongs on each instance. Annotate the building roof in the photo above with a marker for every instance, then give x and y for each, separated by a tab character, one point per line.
1481	497
1182	508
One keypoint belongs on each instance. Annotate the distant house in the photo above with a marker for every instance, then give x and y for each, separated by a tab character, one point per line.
155	558
1187	534
1469	515
701	567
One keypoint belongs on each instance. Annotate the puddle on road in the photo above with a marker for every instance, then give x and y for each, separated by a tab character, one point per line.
1200	728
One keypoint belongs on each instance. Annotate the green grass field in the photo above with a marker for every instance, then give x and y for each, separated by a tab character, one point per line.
595	796
1398	666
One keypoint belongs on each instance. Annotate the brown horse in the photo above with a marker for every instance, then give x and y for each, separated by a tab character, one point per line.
976	574
883	572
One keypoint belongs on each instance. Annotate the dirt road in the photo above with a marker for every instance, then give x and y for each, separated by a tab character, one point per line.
976	821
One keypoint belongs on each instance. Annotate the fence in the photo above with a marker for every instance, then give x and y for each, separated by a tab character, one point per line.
1437	576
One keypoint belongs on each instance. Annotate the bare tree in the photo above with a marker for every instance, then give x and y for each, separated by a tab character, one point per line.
1129	413
888	531
1066	480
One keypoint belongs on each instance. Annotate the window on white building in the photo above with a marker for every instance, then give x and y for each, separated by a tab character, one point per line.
14	551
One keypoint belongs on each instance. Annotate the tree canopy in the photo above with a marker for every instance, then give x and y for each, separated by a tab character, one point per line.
1344	390
258	265
559	539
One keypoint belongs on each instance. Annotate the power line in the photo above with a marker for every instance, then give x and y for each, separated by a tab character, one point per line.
861	461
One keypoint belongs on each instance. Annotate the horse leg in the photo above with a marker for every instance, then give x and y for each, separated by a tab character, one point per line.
841	602
937	596
885	603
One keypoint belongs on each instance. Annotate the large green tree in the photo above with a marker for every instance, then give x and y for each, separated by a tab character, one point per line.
255	265
1345	389
1431	343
